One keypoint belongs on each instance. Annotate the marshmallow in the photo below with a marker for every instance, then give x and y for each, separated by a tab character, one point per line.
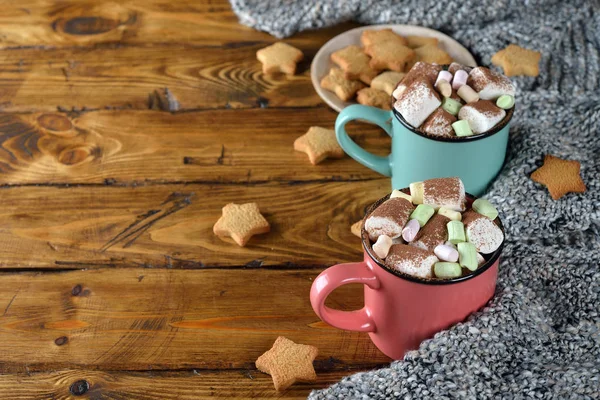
467	93
447	270
416	192
417	102
443	76
482	115
467	255
484	207
451	106
444	192
419	71
410	230
388	219
456	232
489	84
480	260
439	123
453	215
411	260
462	128
460	79
482	232
422	214
399	193
505	102
382	246
446	253
432	234
455	67
443	86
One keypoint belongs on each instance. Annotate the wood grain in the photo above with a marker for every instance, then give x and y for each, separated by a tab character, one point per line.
154	385
68	23
130	147
170	226
136	319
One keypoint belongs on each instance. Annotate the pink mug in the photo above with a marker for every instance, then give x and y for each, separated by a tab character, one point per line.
401	310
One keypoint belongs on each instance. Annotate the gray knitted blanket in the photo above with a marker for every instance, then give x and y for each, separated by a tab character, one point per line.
540	336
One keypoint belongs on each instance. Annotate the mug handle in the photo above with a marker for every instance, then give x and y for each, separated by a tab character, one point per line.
371	114
334	277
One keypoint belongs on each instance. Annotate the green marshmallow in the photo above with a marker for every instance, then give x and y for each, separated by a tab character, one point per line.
422	213
451	105
456	232
484	207
467	255
462	128
447	270
505	101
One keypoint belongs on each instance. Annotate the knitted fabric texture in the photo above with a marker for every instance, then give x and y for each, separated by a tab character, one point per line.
539	337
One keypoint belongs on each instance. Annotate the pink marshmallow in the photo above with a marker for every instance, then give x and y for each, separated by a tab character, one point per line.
446	253
443	75
410	230
460	79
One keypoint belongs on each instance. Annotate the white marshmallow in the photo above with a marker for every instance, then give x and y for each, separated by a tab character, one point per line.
484	234
411	261
480	120
417	102
489	84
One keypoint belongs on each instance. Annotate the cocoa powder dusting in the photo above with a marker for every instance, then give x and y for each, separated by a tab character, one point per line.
434	232
398	209
444	189
406	252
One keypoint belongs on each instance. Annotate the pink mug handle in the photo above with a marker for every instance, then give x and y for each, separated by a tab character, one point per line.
334	277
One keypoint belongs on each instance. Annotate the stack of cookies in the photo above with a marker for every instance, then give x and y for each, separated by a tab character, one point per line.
370	73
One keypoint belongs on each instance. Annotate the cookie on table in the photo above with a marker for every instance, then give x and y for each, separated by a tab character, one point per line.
356	228
559	176
430	53
288	362
355	63
418	41
319	143
516	60
374	98
241	222
387	81
279	57
337	82
390	55
373	36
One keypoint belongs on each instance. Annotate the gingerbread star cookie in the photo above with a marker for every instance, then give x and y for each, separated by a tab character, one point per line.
516	60
390	55
372	36
279	57
418	41
241	222
559	176
387	81
343	87
355	63
374	98
356	227
288	362
319	143
432	54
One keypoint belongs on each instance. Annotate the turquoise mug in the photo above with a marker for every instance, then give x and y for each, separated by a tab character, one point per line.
416	156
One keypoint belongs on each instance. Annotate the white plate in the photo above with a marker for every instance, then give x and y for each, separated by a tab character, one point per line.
322	64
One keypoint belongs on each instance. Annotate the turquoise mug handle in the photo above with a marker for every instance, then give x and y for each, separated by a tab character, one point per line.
371	114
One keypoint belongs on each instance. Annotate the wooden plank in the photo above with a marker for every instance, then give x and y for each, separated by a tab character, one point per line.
139	319
47	23
221	146
154	385
170	226
123	77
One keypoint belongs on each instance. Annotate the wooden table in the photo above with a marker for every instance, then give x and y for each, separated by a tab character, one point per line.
125	127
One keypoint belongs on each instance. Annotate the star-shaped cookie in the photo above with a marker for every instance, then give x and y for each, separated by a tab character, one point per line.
355	63
279	57
241	222
372	36
343	87
288	362
390	55
559	176
356	228
516	60
319	143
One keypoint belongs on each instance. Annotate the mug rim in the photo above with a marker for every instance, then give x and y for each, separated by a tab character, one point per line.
480	270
